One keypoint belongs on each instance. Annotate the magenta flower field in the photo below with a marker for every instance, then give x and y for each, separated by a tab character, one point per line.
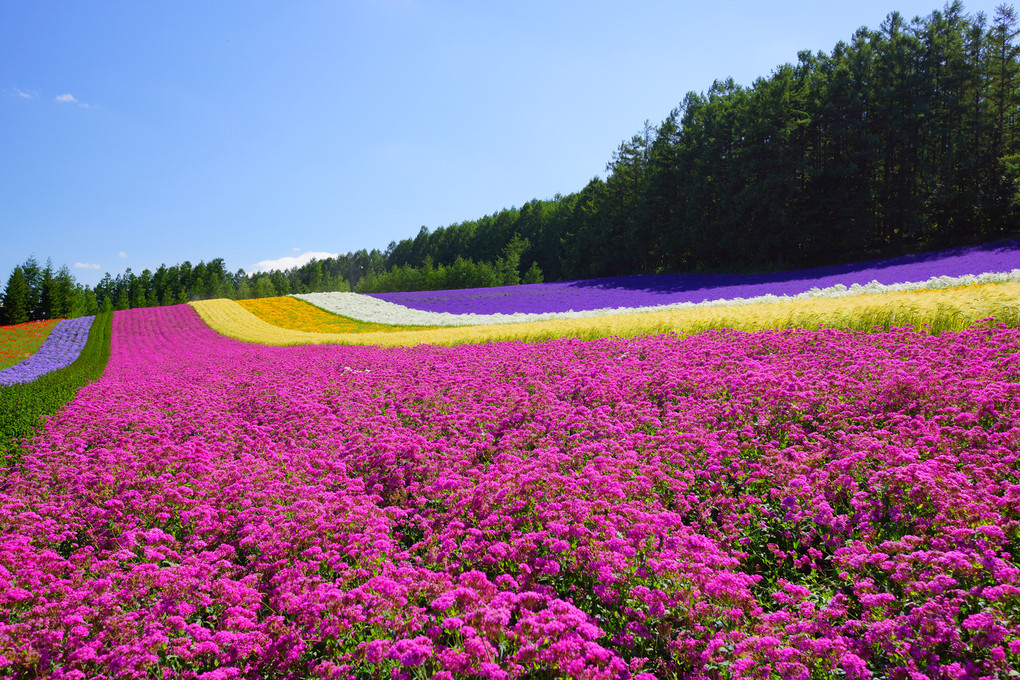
788	504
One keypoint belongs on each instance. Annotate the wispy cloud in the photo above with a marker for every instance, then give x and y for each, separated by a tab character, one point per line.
122	254
18	92
285	263
86	265
69	99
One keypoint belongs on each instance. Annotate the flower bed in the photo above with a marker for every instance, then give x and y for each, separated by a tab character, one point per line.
650	291
784	504
62	346
22	340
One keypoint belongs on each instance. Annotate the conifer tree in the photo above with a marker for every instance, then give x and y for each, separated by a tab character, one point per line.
16	300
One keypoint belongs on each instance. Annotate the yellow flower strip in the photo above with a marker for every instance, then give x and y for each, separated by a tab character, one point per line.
940	310
295	314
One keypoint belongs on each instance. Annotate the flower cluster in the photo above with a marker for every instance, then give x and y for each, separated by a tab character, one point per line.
995	261
786	504
61	348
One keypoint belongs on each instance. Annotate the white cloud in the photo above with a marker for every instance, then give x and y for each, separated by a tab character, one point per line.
23	94
86	265
285	263
69	99
122	254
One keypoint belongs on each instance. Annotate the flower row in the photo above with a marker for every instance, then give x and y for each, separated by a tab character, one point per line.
786	504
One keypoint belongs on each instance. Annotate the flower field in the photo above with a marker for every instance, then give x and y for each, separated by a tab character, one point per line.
290	312
649	291
779	504
21	341
62	346
952	309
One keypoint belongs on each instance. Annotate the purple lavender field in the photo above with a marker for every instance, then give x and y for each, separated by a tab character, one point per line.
651	290
62	347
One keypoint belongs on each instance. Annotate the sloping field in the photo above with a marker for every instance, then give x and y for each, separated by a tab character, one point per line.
782	504
952	309
20	341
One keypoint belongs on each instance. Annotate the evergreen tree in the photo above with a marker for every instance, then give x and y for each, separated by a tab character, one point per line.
533	275
66	293
33	273
17	298
47	294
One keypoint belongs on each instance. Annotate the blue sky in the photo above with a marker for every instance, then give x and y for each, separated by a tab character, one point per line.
136	133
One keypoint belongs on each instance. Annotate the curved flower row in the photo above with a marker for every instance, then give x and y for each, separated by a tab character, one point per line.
20	341
784	504
61	348
964	264
944	309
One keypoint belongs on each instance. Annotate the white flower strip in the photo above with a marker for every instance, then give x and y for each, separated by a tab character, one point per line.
367	308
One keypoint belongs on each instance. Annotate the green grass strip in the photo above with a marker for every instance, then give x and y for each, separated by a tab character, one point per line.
23	406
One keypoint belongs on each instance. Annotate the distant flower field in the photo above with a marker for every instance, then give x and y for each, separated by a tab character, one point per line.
784	504
649	291
940	309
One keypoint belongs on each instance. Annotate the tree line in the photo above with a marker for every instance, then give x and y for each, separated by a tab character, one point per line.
35	292
902	139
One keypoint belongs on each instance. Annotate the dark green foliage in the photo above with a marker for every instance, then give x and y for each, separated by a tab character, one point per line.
16	302
533	275
34	293
23	406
